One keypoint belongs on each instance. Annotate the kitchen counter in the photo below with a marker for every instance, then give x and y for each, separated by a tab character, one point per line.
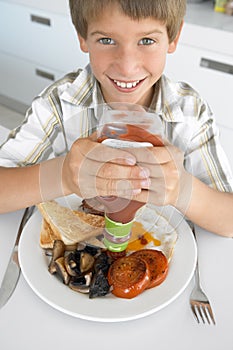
203	14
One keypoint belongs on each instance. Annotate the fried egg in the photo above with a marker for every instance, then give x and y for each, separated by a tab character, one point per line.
151	229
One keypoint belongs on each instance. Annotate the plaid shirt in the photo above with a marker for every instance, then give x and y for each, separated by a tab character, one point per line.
66	111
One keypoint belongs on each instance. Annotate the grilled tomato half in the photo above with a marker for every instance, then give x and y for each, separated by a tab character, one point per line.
129	276
157	262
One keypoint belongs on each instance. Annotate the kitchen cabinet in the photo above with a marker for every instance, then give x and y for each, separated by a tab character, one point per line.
21	80
37	46
207	70
204	59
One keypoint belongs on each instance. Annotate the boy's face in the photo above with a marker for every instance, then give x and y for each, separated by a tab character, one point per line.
127	56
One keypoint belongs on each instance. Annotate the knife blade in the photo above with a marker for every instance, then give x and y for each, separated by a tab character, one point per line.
12	273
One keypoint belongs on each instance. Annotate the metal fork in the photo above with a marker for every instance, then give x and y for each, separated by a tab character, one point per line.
199	302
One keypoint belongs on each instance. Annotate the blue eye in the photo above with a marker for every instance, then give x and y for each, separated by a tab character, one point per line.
106	41
146	41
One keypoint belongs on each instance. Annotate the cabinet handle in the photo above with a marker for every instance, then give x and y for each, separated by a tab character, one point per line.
46	75
41	20
215	65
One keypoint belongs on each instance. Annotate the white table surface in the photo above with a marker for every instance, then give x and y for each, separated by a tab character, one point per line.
27	322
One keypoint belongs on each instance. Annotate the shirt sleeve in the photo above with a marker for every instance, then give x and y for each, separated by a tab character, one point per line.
205	157
36	139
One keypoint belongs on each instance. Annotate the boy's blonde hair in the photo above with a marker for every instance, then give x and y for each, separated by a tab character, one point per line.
170	12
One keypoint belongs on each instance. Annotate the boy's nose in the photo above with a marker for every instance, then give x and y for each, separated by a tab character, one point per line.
128	62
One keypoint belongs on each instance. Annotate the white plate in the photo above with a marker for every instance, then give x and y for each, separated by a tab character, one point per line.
34	267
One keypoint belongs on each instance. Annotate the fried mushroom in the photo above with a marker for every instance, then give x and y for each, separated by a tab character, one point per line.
86	262
61	270
83	269
57	252
72	264
99	285
81	284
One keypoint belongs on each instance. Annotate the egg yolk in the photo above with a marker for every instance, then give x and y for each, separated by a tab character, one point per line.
140	238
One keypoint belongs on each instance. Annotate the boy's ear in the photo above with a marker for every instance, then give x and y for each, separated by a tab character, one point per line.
173	44
83	44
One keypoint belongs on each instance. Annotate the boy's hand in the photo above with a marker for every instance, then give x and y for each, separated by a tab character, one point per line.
170	183
92	169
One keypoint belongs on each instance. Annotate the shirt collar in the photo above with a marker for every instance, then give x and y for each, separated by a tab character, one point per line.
84	91
166	102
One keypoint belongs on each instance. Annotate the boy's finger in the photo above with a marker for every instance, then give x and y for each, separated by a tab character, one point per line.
101	153
156	155
109	170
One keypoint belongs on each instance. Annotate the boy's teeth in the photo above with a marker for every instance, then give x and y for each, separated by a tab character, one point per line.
126	85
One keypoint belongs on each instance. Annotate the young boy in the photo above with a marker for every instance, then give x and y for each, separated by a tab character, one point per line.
54	152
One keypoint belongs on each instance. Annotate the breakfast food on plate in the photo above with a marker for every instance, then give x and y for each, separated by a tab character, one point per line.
157	264
83	263
62	223
83	269
92	206
91	270
129	276
132	274
151	230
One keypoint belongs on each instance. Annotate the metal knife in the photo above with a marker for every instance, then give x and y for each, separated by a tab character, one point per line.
12	273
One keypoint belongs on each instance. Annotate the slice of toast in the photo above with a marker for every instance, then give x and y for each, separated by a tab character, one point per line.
67	225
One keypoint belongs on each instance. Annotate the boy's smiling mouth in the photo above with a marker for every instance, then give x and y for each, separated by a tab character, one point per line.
126	85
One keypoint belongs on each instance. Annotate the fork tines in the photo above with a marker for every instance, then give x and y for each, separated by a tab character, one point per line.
202	311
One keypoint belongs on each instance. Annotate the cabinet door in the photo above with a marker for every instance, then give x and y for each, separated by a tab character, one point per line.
22	80
211	74
57	6
39	36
